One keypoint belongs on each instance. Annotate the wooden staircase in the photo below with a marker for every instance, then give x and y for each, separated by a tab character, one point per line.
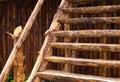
68	23
66	20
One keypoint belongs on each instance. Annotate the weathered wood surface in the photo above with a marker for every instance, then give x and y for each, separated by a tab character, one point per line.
91	10
67	67
87	46
83	62
19	75
49	38
88	33
20	41
89	1
69	77
91	20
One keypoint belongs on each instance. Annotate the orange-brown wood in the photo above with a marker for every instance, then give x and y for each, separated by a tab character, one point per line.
88	33
87	46
89	1
83	62
67	67
92	10
91	20
70	77
19	75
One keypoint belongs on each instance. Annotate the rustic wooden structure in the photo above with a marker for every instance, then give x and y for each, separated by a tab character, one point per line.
20	41
67	22
10	19
68	45
19	74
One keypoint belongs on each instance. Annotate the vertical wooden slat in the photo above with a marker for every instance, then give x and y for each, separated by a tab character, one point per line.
68	53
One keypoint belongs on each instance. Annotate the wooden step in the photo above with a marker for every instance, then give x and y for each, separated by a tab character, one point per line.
91	10
87	46
83	62
88	33
89	1
91	20
70	77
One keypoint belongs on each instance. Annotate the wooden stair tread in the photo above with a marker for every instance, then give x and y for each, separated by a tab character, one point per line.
87	46
88	33
90	10
89	1
65	76
91	20
83	62
61	76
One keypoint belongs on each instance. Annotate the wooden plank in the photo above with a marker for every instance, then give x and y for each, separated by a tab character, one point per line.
20	41
89	1
48	39
91	10
91	20
87	46
83	62
70	77
88	33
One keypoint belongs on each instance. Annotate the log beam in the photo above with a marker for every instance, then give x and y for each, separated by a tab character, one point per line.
70	77
87	46
91	20
89	1
83	62
91	10
88	33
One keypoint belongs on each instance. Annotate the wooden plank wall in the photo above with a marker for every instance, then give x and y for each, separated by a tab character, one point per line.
17	13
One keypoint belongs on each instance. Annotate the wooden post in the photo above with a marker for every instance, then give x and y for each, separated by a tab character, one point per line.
20	41
68	53
19	75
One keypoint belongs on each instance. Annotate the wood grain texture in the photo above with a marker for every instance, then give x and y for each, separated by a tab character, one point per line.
83	62
48	39
88	1
88	33
91	20
87	46
69	77
92	10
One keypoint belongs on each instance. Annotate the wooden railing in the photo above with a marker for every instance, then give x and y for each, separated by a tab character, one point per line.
20	41
40	65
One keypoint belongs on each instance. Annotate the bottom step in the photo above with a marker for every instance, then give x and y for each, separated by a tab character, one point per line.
64	76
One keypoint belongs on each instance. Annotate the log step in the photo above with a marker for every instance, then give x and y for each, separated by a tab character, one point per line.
91	10
88	33
87	46
89	1
70	77
91	20
83	62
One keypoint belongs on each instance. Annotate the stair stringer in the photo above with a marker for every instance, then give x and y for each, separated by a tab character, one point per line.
48	39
